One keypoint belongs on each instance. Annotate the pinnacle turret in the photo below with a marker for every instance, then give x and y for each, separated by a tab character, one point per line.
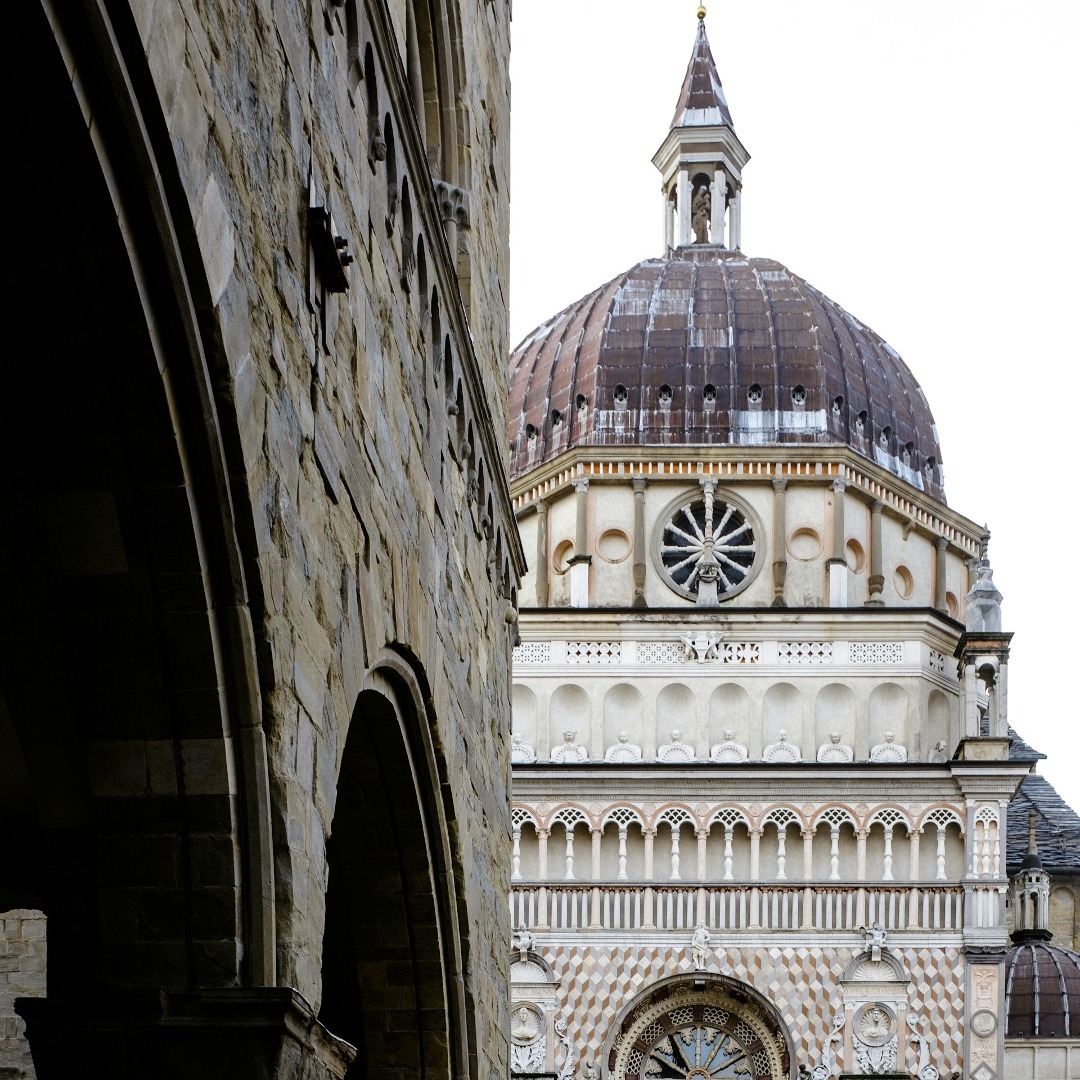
701	160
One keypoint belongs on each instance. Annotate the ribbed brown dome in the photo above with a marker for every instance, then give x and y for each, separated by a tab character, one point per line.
710	347
1042	991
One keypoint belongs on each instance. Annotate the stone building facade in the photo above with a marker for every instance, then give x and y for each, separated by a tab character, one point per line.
261	566
761	749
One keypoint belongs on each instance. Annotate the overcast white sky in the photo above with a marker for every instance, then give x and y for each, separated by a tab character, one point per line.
916	162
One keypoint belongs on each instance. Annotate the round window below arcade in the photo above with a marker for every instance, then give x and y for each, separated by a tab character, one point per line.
706	540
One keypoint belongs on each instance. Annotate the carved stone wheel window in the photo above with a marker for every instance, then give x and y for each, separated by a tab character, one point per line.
707	548
699	1050
692	1034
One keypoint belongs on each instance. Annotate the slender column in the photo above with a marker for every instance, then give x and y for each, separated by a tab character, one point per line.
779	566
729	874
719	201
887	874
515	874
808	856
622	852
971	700
412	63
684	208
638	599
860	855
837	564
541	854
543	587
755	855
702	837
675	854
941	833
669	224
649	836
834	854
781	853
569	853
877	572
580	563
735	220
913	854
999	721
940	546
597	836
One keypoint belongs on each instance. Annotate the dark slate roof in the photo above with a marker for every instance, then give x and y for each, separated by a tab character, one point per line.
708	347
1057	828
1021	750
1042	991
701	99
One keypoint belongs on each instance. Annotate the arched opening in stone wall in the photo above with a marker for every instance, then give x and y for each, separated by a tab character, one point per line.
127	663
708	1026
384	984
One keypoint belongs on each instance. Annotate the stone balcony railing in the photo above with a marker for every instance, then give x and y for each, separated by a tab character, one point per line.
756	907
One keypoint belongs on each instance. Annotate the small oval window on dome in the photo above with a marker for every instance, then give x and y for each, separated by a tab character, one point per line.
664	395
909	453
884	437
582	403
860	424
929	466
556	418
708	394
530	432
753	395
798	395
837	406
620	395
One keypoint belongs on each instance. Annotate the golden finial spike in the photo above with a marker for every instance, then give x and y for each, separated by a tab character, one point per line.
701	12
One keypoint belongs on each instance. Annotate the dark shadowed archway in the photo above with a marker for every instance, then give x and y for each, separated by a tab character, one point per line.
390	975
127	660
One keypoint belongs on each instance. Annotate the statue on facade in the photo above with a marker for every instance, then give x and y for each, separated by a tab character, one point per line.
623	750
937	755
875	940
701	213
835	750
523	940
729	749
521	751
699	946
568	749
782	750
676	750
889	750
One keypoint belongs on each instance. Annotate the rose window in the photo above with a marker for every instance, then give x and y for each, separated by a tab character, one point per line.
700	1051
707	549
715	1033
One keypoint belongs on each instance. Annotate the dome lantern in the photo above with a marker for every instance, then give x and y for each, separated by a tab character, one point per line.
702	159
